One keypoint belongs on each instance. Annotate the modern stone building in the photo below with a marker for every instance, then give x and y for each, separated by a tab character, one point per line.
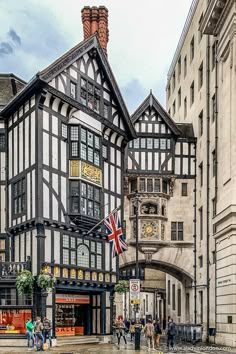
201	90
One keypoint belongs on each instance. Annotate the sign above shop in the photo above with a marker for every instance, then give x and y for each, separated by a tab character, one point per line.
72	299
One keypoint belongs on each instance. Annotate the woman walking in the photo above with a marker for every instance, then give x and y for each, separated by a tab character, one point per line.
157	333
149	332
132	330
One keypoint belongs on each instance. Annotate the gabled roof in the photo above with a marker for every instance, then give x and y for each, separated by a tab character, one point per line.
46	75
10	85
74	54
152	102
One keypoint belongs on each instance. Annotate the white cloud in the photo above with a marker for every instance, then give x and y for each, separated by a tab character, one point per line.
143	37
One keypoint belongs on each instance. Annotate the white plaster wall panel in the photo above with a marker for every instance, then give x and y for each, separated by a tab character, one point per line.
3	166
108	319
2	125
27	137
62	216
106	201
45	120
136	156
45	149
106	96
192	167
63	156
9	123
26	106
177	166
34	252
55	182
61	86
3	212
143	127
53	83
22	248
115	120
45	201
113	264
169	164
185	166
112	178
9	204
10	155
20	147
177	148
185	148
163	128
118	202
32	135
82	68
91	71
21	112
15	134
118	180
143	160
15	117
57	247
63	192
156	128
28	243
106	169
73	73
105	85
89	122
64	109
48	242
99	81
149	161
136	126
17	248
46	175
54	152
107	256
54	208
129	163
33	194
112	203
18	220
112	155
55	125
118	158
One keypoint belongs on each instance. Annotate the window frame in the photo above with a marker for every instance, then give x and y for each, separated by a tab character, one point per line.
19	196
184	193
177	231
3	135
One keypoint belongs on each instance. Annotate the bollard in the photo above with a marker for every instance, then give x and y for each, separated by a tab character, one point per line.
137	337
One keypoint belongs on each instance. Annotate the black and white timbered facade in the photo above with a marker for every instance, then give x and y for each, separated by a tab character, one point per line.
61	173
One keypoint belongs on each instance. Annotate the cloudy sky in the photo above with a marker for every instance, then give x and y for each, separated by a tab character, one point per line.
143	39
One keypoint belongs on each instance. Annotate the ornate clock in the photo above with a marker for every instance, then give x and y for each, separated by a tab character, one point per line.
149	229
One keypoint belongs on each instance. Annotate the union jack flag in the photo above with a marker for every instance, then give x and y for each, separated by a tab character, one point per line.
115	234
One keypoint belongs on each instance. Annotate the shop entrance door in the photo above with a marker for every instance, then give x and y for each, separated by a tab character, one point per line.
82	319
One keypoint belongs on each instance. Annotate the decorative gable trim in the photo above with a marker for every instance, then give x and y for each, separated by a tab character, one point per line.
152	102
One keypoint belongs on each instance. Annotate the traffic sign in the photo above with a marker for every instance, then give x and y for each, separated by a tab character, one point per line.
134	288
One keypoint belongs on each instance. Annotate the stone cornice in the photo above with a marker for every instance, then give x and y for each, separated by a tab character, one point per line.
215	16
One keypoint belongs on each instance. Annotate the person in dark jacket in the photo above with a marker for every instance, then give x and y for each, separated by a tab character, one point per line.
47	328
157	333
171	332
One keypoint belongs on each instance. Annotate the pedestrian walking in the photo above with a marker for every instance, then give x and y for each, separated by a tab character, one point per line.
149	333
29	333
47	329
157	333
171	332
132	330
120	330
38	330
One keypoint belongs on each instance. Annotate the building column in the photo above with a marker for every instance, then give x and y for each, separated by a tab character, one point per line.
103	313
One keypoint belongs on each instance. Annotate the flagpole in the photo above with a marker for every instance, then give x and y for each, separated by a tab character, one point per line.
112	212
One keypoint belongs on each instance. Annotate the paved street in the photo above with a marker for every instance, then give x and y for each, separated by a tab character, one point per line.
113	348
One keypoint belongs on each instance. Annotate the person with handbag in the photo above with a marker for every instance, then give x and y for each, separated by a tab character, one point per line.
157	333
132	330
149	333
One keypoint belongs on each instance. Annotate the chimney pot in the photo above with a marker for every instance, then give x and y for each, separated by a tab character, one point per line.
95	19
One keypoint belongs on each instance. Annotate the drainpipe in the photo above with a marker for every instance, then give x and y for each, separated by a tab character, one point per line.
195	239
208	186
216	149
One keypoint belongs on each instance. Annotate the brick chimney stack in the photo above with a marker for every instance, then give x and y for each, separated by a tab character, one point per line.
95	19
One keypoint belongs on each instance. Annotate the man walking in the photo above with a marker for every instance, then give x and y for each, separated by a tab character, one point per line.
38	329
47	328
171	332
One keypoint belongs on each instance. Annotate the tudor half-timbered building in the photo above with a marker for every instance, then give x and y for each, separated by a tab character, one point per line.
66	132
160	166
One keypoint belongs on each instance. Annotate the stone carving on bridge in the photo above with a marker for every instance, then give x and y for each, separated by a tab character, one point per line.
172	184
148	253
162	231
163	207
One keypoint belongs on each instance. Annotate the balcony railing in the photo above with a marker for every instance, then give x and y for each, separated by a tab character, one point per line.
9	270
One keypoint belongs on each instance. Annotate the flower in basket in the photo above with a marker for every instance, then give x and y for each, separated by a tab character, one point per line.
24	282
46	281
122	287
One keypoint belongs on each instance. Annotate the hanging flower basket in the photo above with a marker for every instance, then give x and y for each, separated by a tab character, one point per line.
24	282
122	287
46	281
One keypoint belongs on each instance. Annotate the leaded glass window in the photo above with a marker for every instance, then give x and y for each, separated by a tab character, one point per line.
149	143
19	197
64	130
90	95
83	256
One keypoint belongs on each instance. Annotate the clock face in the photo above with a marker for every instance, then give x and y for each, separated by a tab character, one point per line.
149	229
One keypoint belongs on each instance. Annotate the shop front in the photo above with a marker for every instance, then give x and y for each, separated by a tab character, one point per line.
12	320
73	314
